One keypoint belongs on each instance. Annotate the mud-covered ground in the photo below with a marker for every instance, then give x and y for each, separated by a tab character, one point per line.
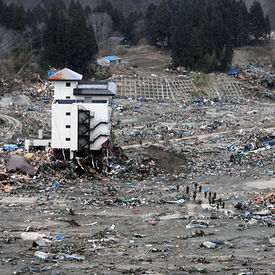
149	235
139	222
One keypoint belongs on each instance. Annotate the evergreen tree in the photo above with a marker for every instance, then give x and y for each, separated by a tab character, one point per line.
56	40
30	18
181	32
148	22
118	19
40	14
105	6
202	34
159	31
119	22
257	20
58	4
8	15
69	41
82	41
209	63
225	57
267	26
72	8
2	12
243	22
88	10
19	19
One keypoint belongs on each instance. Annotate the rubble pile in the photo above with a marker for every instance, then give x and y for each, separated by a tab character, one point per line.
260	75
259	80
183	187
267	198
32	86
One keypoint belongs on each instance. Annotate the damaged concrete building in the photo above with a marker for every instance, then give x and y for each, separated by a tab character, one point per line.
81	113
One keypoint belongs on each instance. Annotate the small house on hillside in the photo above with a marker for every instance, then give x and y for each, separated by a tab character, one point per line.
109	61
117	40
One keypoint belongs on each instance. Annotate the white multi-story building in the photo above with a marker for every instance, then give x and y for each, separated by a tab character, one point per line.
81	112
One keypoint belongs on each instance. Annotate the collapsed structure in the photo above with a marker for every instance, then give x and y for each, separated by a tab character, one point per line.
81	113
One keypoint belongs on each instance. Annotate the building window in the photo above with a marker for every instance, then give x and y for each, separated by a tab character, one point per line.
68	113
68	97
99	101
68	139
68	84
88	99
68	126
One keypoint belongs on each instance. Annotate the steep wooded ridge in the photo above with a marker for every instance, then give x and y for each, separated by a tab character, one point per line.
131	5
126	6
200	34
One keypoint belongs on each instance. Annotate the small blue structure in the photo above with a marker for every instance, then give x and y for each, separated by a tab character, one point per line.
10	147
51	73
233	72
111	58
270	142
108	61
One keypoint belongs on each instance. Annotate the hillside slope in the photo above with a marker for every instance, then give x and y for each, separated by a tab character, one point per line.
125	6
131	5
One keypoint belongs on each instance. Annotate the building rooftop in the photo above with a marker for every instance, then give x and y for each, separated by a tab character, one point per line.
112	58
116	39
66	74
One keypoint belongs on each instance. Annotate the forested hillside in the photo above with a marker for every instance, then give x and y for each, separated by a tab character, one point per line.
126	6
201	34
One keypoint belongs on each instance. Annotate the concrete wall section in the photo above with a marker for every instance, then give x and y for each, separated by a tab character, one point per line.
74	127
61	116
61	91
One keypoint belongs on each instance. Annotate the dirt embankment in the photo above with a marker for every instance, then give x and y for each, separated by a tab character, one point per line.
165	160
262	55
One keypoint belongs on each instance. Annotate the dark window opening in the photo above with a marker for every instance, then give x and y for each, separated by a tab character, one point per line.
68	97
68	139
68	113
99	101
68	126
68	84
67	101
91	100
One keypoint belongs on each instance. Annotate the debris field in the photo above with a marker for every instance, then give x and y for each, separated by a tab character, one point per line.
187	186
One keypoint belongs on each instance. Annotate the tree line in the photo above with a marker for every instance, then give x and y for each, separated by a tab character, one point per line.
60	35
202	33
124	24
69	39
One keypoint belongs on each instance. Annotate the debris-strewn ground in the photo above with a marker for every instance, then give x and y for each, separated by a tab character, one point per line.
189	187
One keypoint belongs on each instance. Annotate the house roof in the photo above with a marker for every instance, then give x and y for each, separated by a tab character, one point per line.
115	39
66	74
112	58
